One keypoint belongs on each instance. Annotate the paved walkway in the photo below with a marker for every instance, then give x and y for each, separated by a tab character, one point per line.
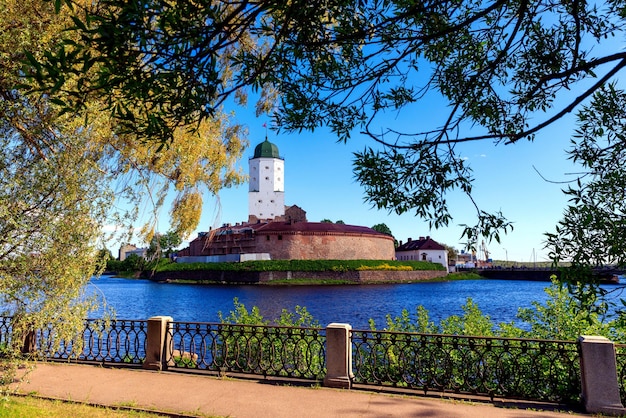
194	395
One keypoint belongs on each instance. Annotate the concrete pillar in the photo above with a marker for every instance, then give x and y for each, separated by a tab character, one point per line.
338	356
158	344
598	372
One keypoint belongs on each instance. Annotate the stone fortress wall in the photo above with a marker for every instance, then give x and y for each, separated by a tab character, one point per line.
326	246
295	241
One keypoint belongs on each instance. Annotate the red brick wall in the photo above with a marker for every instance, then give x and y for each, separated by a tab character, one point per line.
327	246
303	246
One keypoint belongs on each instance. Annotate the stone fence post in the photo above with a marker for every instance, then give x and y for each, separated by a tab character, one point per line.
338	356
30	343
598	373
158	343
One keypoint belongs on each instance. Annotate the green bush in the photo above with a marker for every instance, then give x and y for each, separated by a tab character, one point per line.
302	265
420	353
448	356
248	343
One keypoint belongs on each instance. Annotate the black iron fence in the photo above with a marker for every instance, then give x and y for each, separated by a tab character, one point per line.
540	370
113	341
262	350
503	367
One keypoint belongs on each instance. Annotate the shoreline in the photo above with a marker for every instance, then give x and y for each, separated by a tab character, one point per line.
277	278
320	282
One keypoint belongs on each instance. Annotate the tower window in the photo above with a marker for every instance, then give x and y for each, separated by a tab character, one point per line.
267	167
280	237
267	178
272	200
267	237
260	201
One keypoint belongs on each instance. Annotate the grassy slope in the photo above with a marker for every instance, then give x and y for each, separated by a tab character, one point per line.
29	407
303	265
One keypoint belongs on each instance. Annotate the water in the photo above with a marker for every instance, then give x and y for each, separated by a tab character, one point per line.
141	299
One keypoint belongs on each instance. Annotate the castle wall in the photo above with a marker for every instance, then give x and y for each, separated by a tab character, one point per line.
254	277
328	246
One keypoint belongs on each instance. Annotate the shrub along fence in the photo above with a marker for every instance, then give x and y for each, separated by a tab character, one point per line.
496	367
251	349
591	371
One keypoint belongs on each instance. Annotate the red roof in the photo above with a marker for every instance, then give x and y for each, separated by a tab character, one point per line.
421	244
313	227
294	228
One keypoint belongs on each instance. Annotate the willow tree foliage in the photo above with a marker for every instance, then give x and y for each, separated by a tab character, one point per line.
502	69
67	175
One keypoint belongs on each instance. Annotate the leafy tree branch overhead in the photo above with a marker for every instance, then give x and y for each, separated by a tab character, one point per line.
506	70
66	175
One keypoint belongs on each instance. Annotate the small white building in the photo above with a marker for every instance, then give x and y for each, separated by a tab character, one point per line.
423	249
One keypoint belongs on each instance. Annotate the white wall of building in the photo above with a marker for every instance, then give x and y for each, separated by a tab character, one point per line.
266	195
434	256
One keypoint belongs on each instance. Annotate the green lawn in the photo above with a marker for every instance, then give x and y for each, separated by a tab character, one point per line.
30	407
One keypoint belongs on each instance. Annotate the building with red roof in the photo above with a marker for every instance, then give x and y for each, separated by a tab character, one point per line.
423	249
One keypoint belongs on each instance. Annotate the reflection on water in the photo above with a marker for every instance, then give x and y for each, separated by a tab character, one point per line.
141	299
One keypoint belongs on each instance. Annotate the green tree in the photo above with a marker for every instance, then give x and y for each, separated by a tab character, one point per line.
382	228
452	252
499	65
385	230
65	175
162	245
591	233
503	69
133	263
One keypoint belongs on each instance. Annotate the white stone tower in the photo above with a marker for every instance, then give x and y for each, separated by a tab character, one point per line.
266	195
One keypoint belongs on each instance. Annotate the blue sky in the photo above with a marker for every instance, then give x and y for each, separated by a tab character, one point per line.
523	180
508	178
319	179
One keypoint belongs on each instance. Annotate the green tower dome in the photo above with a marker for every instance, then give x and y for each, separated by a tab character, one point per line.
266	150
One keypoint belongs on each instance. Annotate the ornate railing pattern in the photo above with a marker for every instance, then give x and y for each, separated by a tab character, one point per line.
114	341
512	368
5	330
542	370
620	358
263	350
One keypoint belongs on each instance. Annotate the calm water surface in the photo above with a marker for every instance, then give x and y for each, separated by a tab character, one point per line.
141	299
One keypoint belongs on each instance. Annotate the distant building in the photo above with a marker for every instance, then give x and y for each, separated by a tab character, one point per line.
295	214
466	260
128	249
423	249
